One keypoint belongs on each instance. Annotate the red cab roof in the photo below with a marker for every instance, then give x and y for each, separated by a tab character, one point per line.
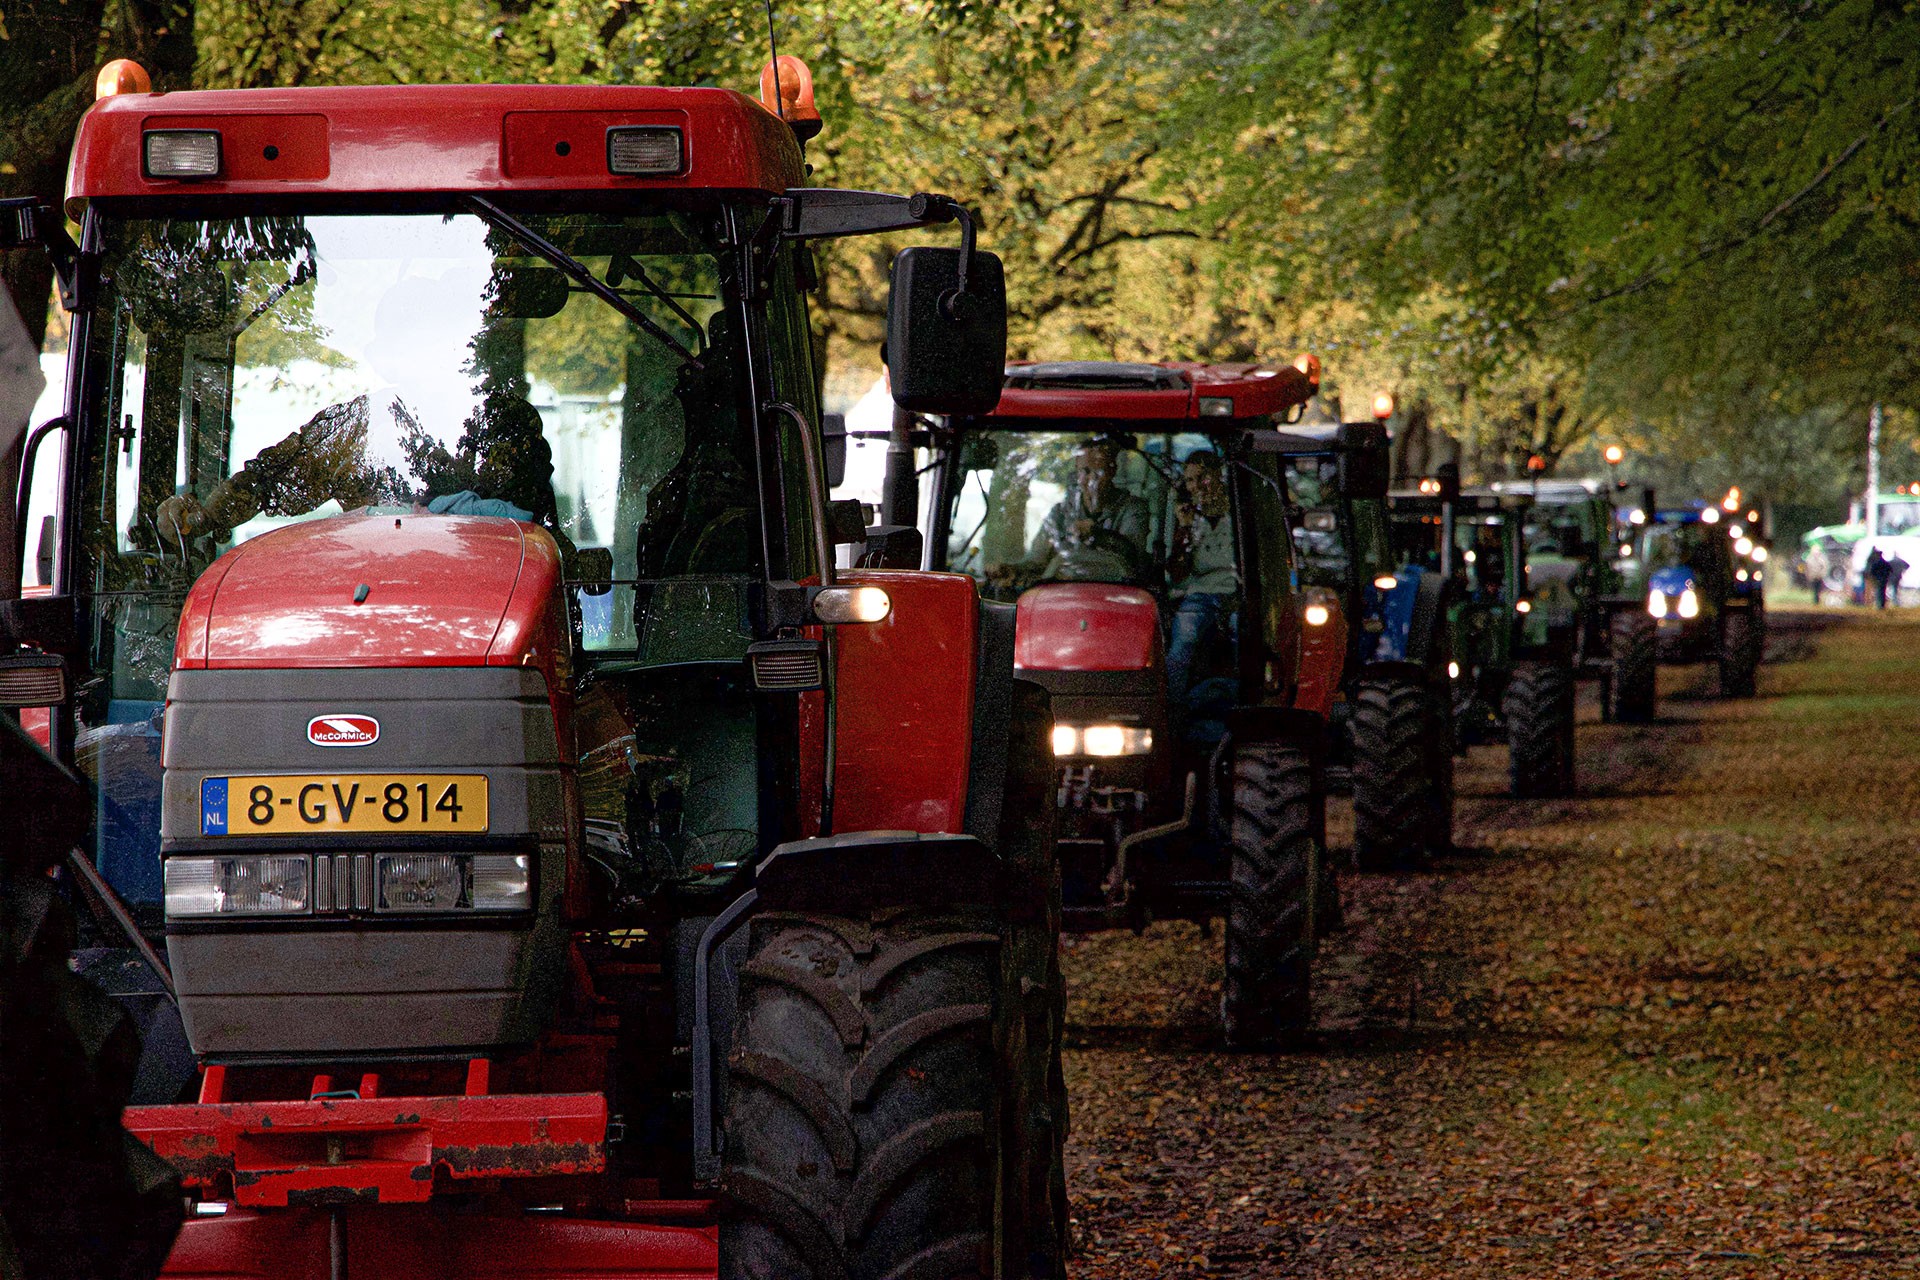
432	138
1111	389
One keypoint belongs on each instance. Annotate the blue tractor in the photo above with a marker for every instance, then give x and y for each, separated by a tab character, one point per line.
1390	701
1705	583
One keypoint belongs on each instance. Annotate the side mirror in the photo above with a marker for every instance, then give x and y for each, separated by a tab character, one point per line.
1364	466
893	546
847	522
833	433
947	330
25	223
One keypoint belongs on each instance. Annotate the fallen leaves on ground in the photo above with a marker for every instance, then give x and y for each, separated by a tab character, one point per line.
1667	1027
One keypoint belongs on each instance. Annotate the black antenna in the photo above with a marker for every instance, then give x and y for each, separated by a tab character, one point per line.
779	94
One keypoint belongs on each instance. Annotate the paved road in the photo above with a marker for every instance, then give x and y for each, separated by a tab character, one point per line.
1664	1028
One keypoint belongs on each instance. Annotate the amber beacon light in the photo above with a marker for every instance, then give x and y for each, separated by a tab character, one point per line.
786	89
122	75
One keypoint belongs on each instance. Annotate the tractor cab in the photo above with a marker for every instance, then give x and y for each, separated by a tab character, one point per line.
1573	562
1513	639
1387	690
1143	536
444	608
1705	575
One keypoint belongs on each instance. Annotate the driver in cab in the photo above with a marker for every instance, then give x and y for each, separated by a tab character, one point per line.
1097	532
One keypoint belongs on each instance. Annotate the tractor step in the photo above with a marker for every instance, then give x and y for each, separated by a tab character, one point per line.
353	1146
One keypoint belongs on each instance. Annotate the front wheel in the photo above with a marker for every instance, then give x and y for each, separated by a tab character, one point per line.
1402	772
865	1101
1633	636
1267	998
1539	706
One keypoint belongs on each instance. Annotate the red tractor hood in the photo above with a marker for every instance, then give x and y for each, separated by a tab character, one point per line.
434	591
1085	626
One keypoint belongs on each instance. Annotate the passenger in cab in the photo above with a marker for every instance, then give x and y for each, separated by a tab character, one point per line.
1200	567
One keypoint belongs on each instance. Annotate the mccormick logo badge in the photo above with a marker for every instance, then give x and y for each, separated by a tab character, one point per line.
343	731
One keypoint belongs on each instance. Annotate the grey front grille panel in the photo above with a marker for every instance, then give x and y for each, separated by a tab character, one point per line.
334	982
491	721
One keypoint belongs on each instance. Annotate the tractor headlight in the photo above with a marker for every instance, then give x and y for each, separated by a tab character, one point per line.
301	884
1689	604
1657	603
452	882
250	885
1105	740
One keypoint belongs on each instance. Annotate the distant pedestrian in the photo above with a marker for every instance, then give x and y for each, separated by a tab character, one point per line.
1814	565
1877	577
1896	574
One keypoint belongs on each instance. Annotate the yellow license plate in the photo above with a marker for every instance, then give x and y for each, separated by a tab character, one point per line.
309	804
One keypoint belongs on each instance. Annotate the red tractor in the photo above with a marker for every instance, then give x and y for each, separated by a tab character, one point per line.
1128	511
559	868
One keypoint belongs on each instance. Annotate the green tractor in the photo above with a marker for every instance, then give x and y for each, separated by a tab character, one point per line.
1571	545
1514	641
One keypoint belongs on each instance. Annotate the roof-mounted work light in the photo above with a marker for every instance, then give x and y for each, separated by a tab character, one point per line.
645	151
185	154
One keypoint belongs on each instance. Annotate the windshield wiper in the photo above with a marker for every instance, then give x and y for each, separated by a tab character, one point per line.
574	270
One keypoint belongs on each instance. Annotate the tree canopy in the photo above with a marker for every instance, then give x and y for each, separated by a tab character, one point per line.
1690	225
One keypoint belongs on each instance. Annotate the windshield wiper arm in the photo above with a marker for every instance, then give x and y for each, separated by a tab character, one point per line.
574	270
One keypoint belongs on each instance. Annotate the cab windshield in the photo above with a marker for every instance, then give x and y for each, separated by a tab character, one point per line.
1670	546
270	370
1076	506
1483	547
248	373
1332	551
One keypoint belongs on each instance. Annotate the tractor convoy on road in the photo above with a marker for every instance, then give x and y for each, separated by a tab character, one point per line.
526	849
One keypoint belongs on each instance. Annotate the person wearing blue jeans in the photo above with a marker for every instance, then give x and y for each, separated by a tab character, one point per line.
1202	564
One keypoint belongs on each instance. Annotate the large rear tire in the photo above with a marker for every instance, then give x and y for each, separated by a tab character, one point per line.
1402	772
1632	637
1739	654
1538	707
1267	999
897	1105
861	1113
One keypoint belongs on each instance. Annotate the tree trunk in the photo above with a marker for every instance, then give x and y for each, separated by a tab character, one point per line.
52	51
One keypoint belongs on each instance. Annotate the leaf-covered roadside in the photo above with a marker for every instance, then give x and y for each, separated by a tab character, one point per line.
1666	1028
